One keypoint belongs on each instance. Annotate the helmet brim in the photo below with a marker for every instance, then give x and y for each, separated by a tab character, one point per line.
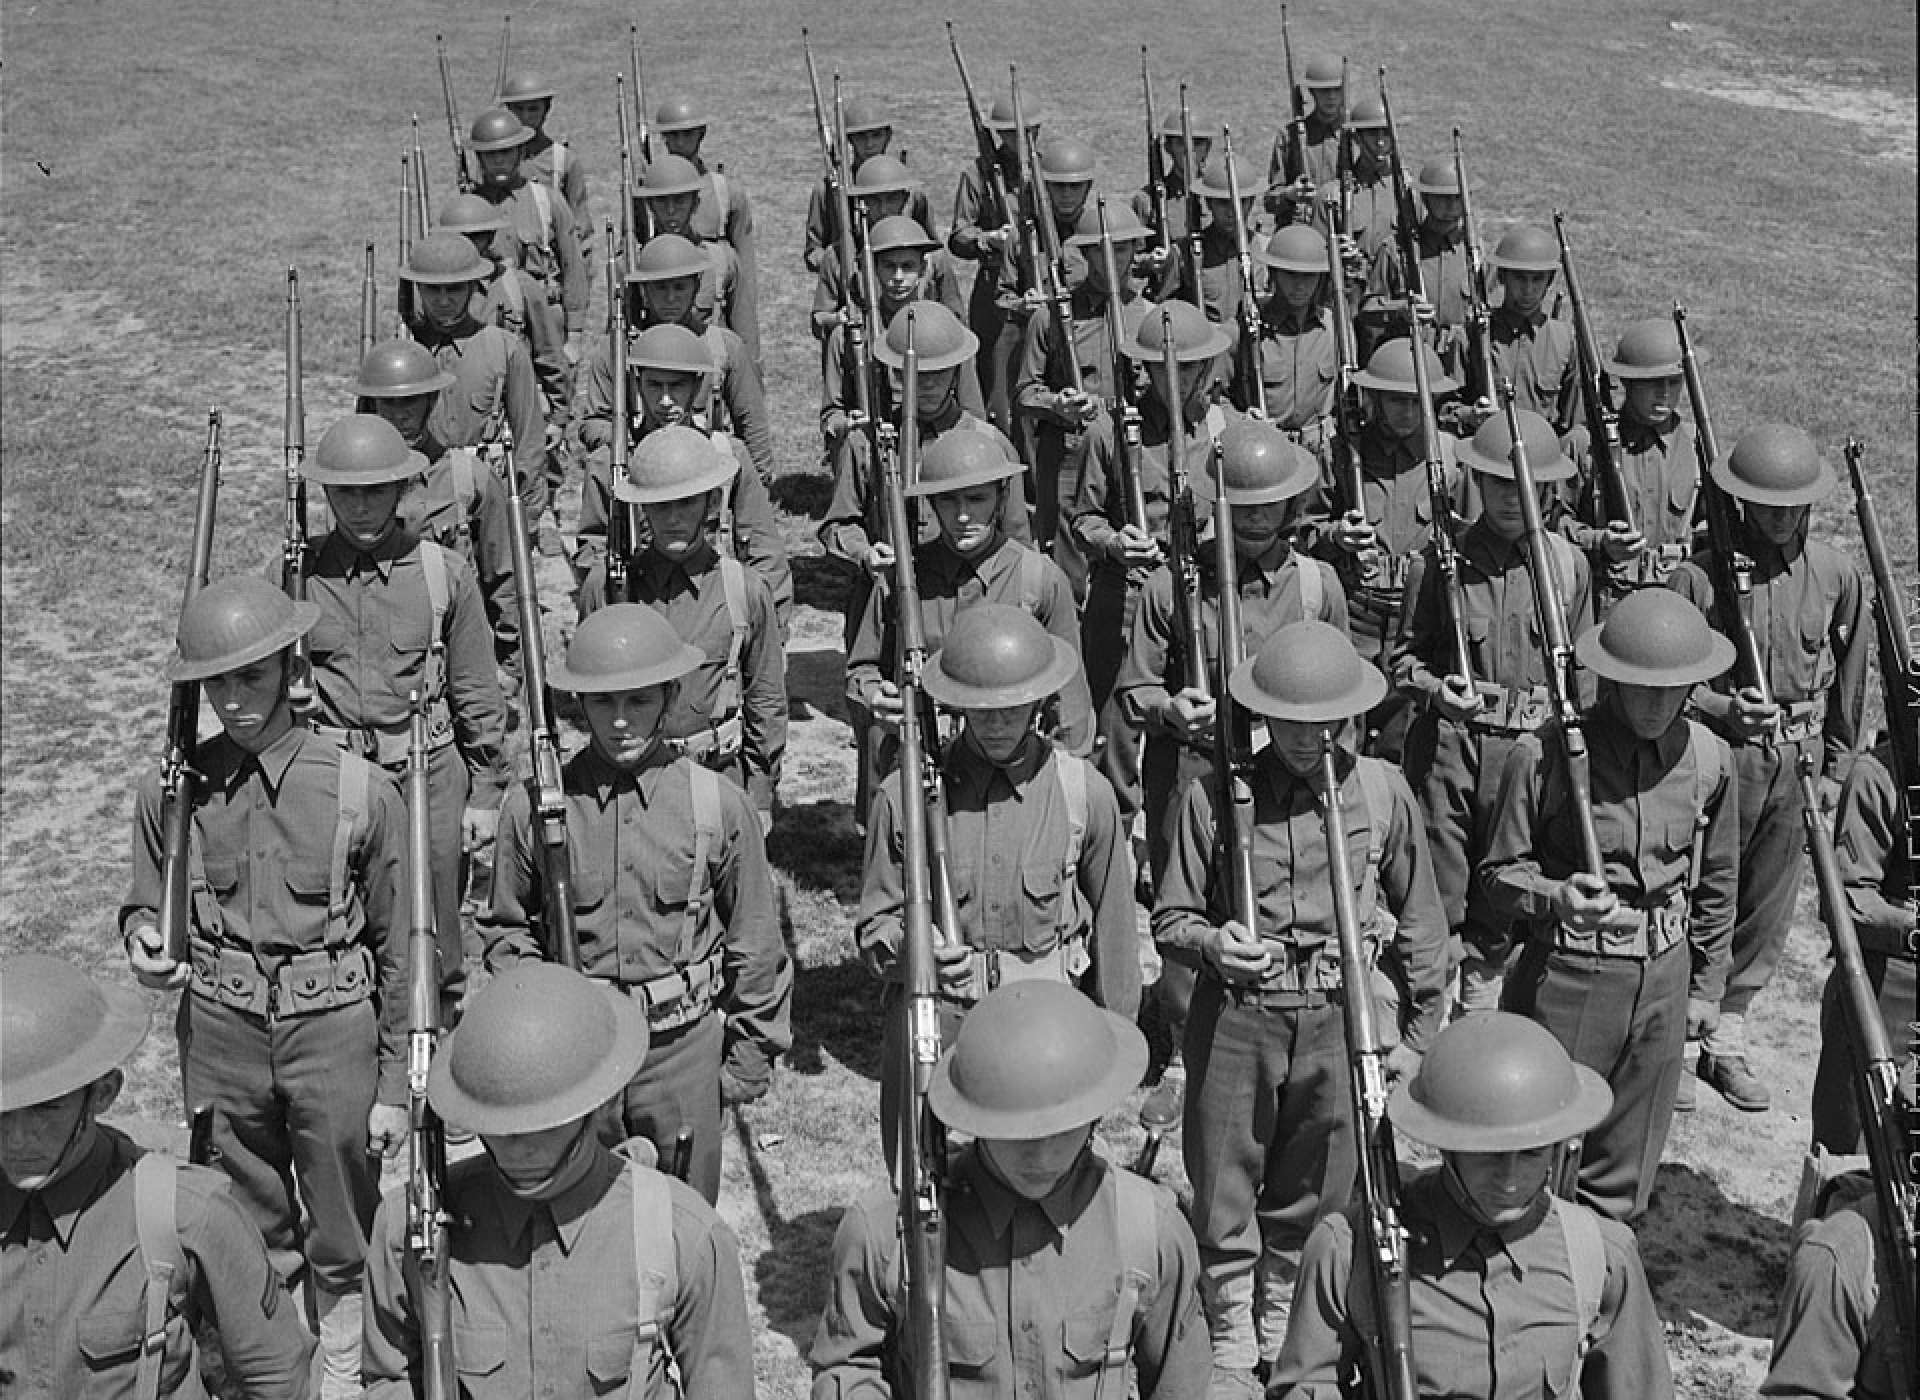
1215	344
969	346
1591	1102
1816	490
1604	664
478	272
675	667
645	191
1126	1065
1441	383
1470	457
415	463
956	694
459	1109
305	615
108	1047
634	493
1362	697
440	381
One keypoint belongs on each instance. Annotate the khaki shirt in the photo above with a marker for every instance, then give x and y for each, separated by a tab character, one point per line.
494	389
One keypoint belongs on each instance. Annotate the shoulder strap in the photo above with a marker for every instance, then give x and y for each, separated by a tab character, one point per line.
1587	1263
1378	797
466	496
351	810
724	541
1703	745
705	788
656	1264
543	201
1135	1211
1033	579
733	587
559	167
722	197
1312	586
155	1222
1072	773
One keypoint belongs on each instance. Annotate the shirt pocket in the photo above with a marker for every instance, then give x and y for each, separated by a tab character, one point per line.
1083	1339
479	1350
1042	886
592	886
1814	666
407	670
110	1336
610	1358
973	1337
310	884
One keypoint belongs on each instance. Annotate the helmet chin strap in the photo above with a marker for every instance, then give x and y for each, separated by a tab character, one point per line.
565	1171
80	1132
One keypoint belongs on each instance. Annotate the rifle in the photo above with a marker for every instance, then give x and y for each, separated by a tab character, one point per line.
1183	530
1032	198
1245	312
1156	164
1551	618
1377	1180
1446	556
1126	413
403	298
543	735
639	94
1296	119
624	120
423	206
293	553
1347	471
1190	188
1900	681
986	156
1406	220
1596	394
1479	308
1236	793
822	128
506	48
463	172
179	779
923	842
619	513
369	302
1053	267
427	1217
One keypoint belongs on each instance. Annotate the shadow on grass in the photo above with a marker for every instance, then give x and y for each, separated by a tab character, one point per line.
836	1016
793	1271
816	845
802	493
821	582
816	684
1708	1257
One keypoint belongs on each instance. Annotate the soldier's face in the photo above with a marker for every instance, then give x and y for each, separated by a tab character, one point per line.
1176	151
1399	413
1068	199
678	526
532	115
1375	144
1257	528
250	702
868	144
669	299
935	389
970	517
1649	710
1443	210
535	1165
666	397
685	144
445	306
624	722
408	415
899	272
1297	289
499	167
1330	104
1525	290
887	204
1500	506
1653	402
482	241
1034	1168
1775	524
1502	1186
37	1142
1193	383
672	213
365	514
1297	743
1000	732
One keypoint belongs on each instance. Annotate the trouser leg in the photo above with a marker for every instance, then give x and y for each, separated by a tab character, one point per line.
679	1087
325	1069
1772	857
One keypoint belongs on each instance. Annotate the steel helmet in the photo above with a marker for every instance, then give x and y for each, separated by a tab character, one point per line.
1195	337
1212	183
60	1029
1497	1082
1325	71
1001	117
234	622
1260	464
1648	349
679	114
939	338
1368	114
675	464
1438	177
1774	464
497	129
1526	248
1123	225
1654	637
1295	248
400	369
362	449
863	114
898	231
469	213
539	1046
1307	671
1034	1058
996	656
666	256
1390	370
1203	130
954	461
525	85
623	646
669	175
1490	450
881	174
1066	161
445	259
673	348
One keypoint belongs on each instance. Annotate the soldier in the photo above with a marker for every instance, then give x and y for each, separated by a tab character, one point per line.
885	190
869	133
494	403
576	1270
1297	358
671	386
1325	87
1807	609
1515	1293
669	199
1216	285
1463	727
984	233
724	212
1625	968
547	240
1062	1270
1173	147
1369	213
731	714
673	901
292	1029
455	501
1531	348
509	297
112	1258
399	614
545	160
1657	458
1442	242
1268	1135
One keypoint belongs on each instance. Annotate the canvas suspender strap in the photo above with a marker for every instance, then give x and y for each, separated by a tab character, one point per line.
1587	1263
352	806
1704	745
656	1268
156	1227
466	497
1379	803
433	570
704	785
722	199
560	168
1072	773
1312	586
543	201
728	701
1135	1211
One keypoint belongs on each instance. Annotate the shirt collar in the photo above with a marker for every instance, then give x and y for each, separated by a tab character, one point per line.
975	774
663	572
274	760
1612	737
399	543
1000	1203
1457	1229
597	778
1486	546
569	1210
69	1193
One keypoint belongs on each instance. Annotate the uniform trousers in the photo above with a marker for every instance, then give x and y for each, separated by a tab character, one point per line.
679	1087
290	1101
1455	775
1772	857
448	786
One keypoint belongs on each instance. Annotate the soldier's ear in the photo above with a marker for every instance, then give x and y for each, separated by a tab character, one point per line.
103	1091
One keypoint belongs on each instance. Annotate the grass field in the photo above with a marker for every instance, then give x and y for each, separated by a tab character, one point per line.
163	164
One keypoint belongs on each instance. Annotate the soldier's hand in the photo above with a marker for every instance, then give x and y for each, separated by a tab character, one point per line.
735	1090
1189	714
1074	407
1583	902
1457	699
1352	261
1403	1062
386	1129
1155	257
152	968
1702	1018
1421	309
477	825
1134	548
1622	542
886	706
955	961
1353	533
879	559
1750	714
1235	953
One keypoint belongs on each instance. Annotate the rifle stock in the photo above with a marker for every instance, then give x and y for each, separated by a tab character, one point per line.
993	179
1190	190
293	553
179	779
1479	306
1406	214
1377	1180
1183	529
1347	471
1246	311
1156	164
1126	414
1236	792
1296	118
1446	554
462	172
427	1216
1596	394
1900	681
619	514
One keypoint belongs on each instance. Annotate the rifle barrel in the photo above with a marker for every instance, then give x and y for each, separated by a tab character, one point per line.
1596	395
1183	530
